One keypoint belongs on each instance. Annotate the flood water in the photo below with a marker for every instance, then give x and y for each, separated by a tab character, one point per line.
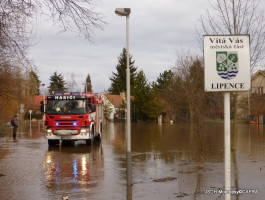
167	163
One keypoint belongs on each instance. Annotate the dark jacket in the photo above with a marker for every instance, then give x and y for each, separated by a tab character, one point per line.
15	121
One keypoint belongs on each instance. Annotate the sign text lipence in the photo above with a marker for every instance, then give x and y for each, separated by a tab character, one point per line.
228	86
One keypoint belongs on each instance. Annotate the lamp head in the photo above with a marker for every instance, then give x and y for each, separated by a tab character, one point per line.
123	11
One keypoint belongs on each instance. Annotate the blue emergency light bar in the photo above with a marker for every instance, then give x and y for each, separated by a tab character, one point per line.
75	93
66	93
58	93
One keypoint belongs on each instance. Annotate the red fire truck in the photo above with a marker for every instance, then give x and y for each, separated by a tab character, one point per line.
73	116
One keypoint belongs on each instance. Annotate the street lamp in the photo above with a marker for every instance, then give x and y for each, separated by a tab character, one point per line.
123	12
126	12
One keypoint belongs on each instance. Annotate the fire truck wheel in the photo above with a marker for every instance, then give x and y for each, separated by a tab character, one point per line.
52	143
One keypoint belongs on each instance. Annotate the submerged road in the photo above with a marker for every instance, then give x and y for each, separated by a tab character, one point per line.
167	164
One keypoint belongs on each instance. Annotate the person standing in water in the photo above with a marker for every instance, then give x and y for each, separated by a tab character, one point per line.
15	124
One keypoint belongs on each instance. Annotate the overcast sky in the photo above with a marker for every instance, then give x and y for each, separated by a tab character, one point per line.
157	30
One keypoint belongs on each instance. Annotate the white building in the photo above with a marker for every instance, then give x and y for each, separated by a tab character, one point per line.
114	103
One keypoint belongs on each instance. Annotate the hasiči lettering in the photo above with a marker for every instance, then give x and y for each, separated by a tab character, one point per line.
64	97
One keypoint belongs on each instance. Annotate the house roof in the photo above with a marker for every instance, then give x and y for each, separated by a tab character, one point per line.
262	72
35	102
116	100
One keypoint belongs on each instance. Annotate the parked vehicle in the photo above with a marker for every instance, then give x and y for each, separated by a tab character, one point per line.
73	116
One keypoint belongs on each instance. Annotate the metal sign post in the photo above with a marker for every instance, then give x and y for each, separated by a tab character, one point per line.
227	141
227	68
30	111
30	131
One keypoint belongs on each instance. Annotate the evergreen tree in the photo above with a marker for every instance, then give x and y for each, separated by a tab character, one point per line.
164	81
145	107
34	83
119	78
57	83
88	85
167	89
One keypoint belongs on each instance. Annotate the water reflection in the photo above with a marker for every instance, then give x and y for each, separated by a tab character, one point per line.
174	156
75	169
129	192
167	163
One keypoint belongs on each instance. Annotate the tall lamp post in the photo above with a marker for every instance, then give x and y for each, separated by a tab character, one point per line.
126	12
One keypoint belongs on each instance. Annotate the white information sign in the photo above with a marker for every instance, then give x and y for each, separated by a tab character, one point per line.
227	63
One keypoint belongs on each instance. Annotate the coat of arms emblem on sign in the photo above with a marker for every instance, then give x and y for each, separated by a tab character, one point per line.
227	64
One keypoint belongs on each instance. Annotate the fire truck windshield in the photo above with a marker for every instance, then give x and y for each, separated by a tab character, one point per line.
66	107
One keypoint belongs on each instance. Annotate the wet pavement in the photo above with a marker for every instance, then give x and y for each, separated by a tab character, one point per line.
166	164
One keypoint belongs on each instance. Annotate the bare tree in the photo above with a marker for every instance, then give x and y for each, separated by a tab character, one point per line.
190	72
71	83
237	17
16	31
13	32
182	70
189	69
12	91
16	22
70	14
